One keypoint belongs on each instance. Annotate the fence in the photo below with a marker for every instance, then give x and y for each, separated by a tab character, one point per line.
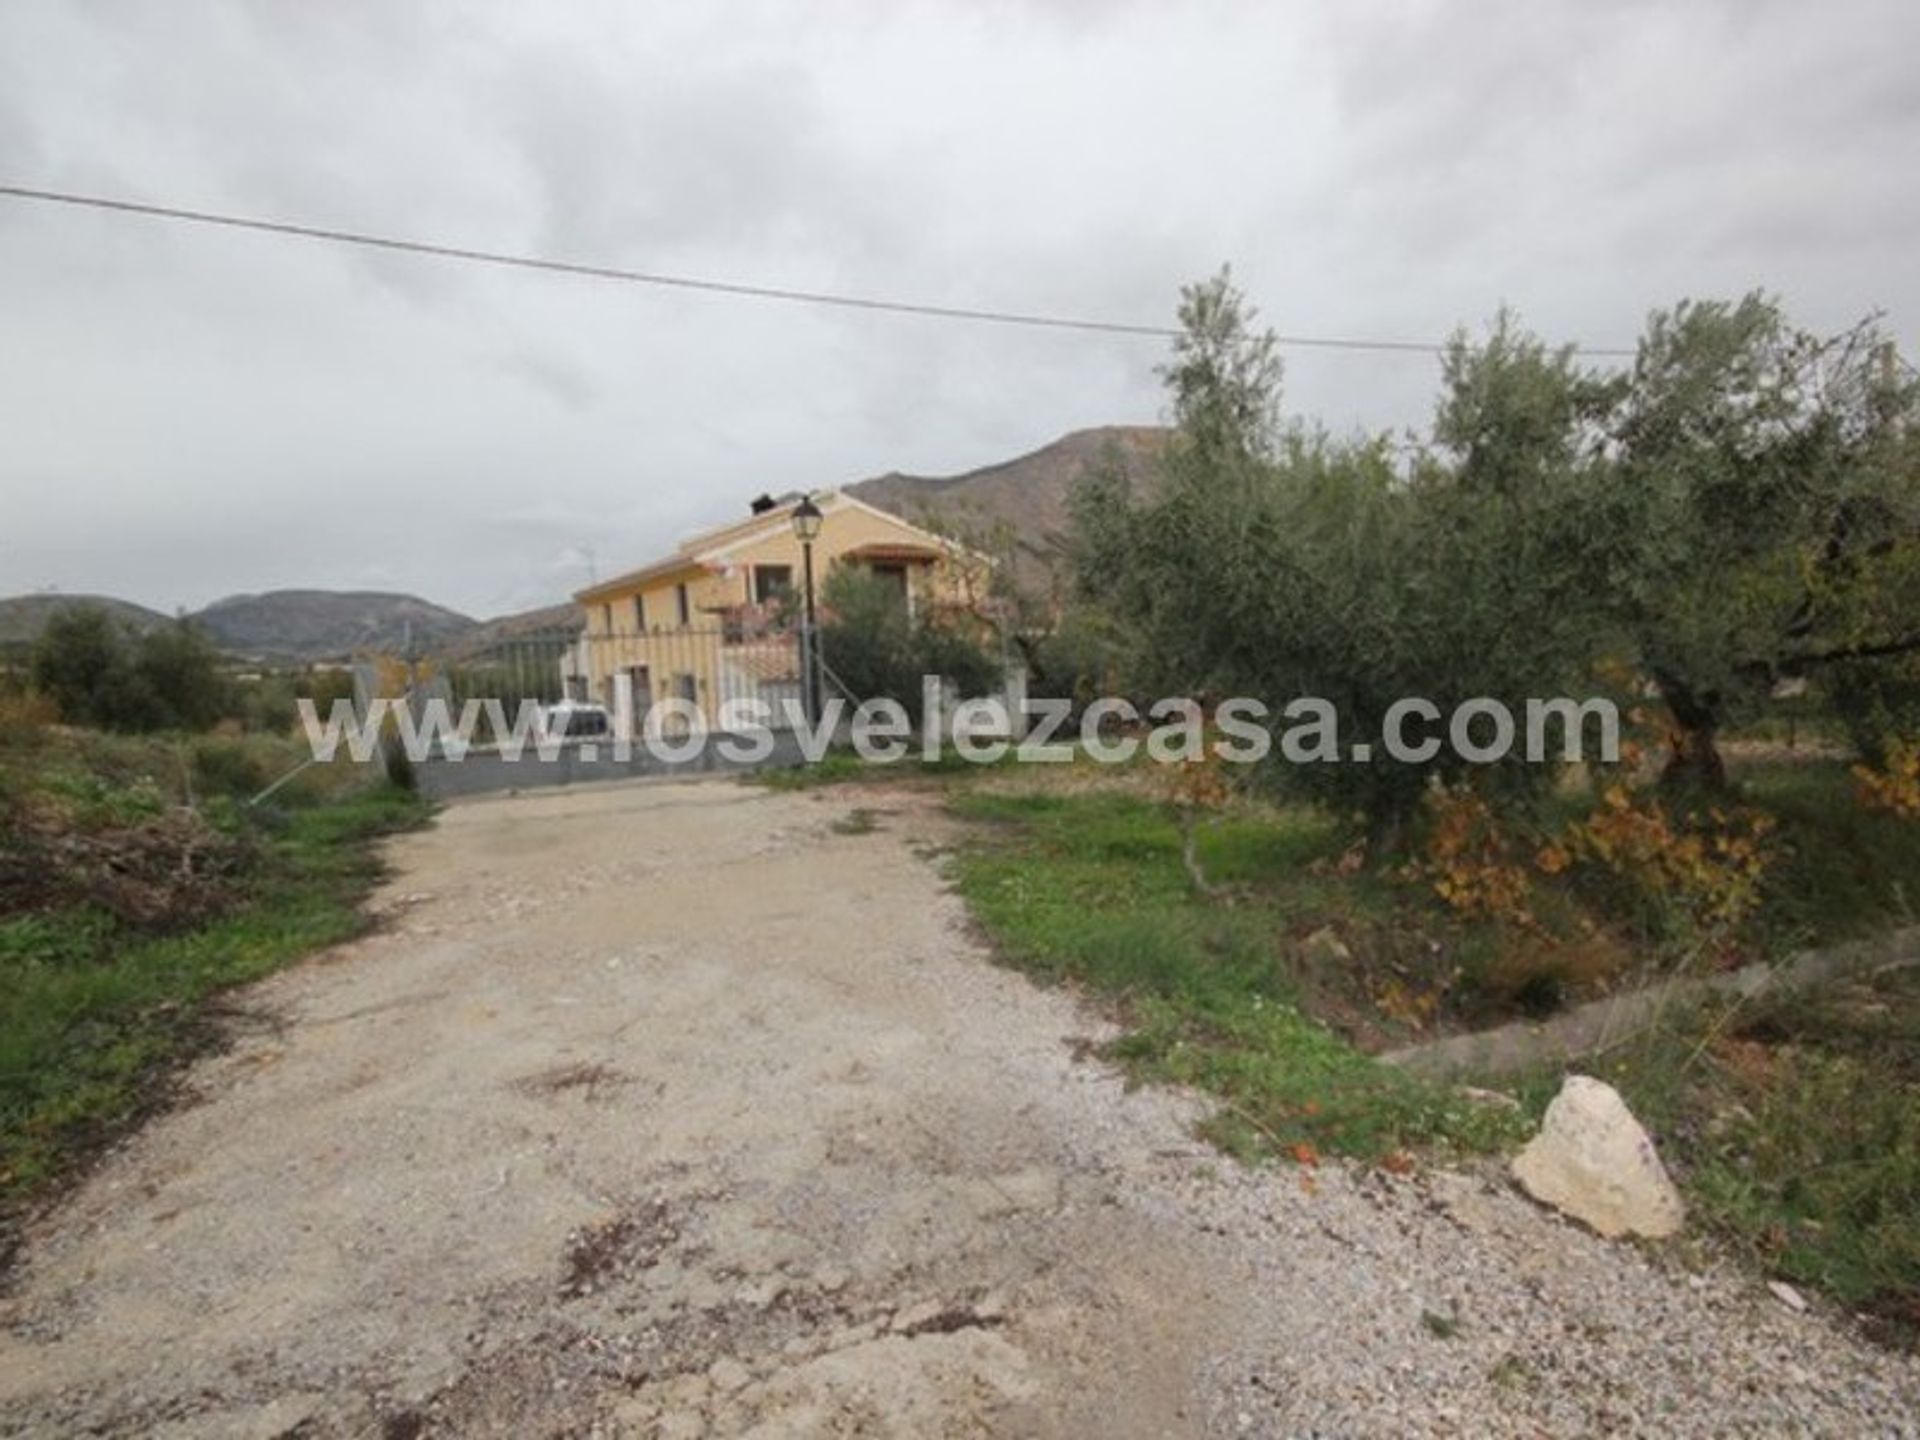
714	668
711	667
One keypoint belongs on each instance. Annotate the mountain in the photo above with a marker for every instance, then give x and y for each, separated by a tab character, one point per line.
319	624
545	624
23	617
1028	495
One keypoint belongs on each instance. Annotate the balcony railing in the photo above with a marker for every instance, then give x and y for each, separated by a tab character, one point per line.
747	624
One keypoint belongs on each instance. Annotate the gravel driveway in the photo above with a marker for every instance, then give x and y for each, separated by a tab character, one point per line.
674	1109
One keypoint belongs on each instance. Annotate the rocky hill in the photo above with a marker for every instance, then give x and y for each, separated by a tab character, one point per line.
304	625
550	623
1024	500
1027	496
315	624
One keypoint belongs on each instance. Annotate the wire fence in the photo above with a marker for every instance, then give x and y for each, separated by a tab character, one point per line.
629	672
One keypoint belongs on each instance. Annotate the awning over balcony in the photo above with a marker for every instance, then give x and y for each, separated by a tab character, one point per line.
895	554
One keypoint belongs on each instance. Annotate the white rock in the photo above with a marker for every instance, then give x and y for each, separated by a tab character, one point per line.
1593	1161
1787	1295
1325	947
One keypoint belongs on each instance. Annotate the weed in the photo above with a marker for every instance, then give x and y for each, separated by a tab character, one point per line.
858	821
1441	1327
93	1008
1794	1126
1092	888
1513	1372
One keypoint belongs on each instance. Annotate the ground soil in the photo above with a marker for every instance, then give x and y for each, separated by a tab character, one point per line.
682	1109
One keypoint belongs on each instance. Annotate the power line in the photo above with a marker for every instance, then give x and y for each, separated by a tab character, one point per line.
688	282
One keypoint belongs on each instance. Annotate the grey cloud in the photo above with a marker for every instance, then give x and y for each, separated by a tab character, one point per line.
189	413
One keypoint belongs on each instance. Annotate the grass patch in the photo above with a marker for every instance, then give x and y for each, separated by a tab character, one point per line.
95	1004
837	768
1794	1126
1089	887
1845	871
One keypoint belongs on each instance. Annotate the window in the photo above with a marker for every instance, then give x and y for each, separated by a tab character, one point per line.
685	688
606	619
770	582
680	599
640	613
895	577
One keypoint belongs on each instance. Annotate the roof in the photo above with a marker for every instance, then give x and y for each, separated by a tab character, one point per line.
709	549
634	579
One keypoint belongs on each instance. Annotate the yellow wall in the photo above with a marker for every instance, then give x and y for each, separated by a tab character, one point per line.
613	643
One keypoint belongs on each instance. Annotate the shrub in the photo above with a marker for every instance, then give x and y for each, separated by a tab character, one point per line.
1693	876
879	651
1879	704
24	718
1895	786
223	766
101	674
179	669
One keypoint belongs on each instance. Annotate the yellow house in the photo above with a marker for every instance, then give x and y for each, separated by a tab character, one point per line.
718	620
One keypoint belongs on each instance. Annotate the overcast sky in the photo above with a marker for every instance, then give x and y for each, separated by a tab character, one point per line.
187	413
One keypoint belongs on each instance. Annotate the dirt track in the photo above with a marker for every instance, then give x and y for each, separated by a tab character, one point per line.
672	1109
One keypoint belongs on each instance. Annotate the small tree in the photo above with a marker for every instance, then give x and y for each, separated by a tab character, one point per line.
178	669
878	650
100	674
82	663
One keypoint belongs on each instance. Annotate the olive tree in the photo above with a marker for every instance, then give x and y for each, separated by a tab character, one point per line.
1763	520
1277	562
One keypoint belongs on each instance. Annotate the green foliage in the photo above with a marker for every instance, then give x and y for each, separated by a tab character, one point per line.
1081	658
1742	508
92	1011
1091	888
1878	703
879	651
100	673
177	672
1224	379
1288	564
1843	872
80	662
1765	516
1794	1125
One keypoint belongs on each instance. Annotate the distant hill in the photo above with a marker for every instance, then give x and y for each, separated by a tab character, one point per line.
23	617
317	624
545	623
1029	495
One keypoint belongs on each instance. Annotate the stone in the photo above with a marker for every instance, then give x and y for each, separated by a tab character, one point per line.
1593	1161
1324	947
1788	1296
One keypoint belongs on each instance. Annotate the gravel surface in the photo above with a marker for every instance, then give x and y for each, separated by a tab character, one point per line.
670	1109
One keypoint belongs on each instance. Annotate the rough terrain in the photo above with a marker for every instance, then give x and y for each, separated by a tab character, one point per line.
678	1109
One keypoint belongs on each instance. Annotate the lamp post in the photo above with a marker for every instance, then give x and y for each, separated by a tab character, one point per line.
806	525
